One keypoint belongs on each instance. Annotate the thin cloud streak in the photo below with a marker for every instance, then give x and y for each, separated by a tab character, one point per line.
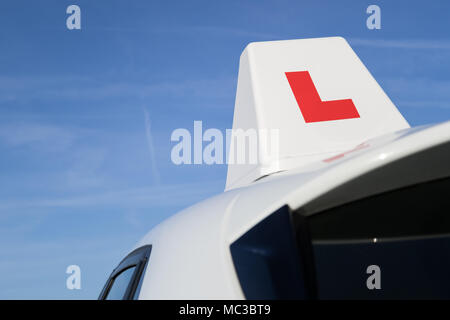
72	88
163	195
400	43
424	104
194	31
151	147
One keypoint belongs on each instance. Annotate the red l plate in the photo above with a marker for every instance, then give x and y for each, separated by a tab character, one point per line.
312	107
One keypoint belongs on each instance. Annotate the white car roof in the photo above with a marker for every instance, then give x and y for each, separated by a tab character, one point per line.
190	256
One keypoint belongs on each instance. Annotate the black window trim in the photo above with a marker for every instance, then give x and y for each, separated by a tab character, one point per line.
137	258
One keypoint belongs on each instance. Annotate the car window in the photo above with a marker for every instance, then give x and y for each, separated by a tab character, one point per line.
125	281
120	284
390	245
394	245
266	259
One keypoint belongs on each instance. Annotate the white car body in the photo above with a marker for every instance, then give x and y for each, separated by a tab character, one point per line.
190	256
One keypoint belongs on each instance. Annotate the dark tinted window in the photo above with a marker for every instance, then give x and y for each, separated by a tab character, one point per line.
406	233
392	245
267	261
120	284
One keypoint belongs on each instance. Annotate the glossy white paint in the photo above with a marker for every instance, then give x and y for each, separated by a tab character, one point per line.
190	257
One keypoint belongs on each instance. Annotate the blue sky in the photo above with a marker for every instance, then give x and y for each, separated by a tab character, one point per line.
86	115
